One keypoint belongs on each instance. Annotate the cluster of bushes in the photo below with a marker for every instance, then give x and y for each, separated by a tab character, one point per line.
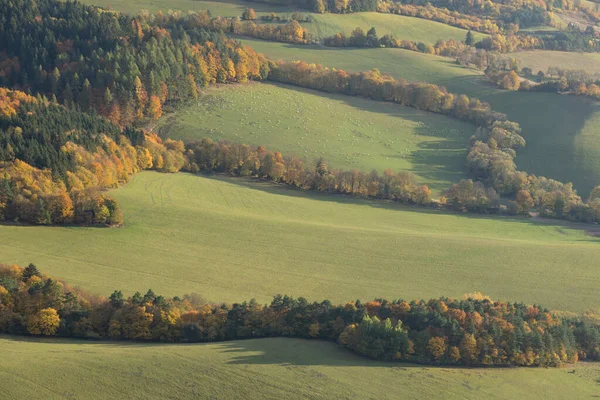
471	331
509	43
273	17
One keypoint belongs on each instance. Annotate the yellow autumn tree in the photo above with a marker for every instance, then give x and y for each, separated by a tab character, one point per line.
511	81
437	347
45	322
229	68
154	108
468	348
454	354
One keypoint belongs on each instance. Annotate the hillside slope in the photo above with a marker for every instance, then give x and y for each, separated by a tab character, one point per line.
259	369
231	240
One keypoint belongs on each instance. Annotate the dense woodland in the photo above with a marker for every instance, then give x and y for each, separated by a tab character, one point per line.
470	331
121	67
55	161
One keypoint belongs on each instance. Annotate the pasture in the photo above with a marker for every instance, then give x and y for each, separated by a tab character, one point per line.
406	28
562	132
259	369
230	239
348	132
322	25
229	8
540	60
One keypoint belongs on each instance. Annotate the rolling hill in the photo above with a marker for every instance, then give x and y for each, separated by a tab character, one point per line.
231	240
258	369
366	135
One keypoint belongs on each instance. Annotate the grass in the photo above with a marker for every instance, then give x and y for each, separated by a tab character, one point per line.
230	240
556	127
406	28
232	8
540	60
322	25
366	134
259	369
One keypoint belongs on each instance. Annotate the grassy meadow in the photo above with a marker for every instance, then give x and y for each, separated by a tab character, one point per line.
406	28
322	25
230	239
259	369
563	128
348	132
540	60
231	8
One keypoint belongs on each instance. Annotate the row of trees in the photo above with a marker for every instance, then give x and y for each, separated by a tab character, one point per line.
469	331
290	32
467	53
243	160
567	81
492	151
332	6
443	15
511	14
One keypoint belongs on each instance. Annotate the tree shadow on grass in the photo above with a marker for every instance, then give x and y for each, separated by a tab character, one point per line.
285	190
263	351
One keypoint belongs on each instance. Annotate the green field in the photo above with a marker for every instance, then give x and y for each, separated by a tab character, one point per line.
322	25
408	28
348	132
233	8
540	60
229	240
563	128
259	369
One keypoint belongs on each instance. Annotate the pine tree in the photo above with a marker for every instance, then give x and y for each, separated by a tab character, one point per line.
30	271
469	41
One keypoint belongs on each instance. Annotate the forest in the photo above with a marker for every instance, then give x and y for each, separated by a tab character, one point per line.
472	331
82	89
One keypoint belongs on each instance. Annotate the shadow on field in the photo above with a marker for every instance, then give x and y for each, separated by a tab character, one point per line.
440	157
291	352
284	190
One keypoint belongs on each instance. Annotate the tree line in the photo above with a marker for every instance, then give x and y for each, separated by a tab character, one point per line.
244	160
565	81
443	15
290	32
492	150
472	331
